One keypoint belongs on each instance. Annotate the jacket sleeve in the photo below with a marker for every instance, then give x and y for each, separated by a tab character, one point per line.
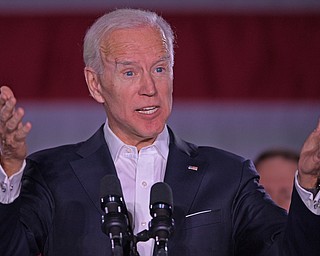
26	221
302	235
258	224
262	228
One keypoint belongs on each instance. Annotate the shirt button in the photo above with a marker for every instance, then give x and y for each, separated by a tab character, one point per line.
128	150
144	184
143	223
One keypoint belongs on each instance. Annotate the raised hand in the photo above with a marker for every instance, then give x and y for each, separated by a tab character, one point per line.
309	163
13	132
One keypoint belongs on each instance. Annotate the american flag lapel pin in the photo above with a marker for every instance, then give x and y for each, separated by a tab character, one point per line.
193	168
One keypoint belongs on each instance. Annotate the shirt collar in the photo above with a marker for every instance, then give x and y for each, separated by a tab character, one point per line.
115	144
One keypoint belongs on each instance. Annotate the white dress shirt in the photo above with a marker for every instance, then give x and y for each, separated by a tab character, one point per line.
10	187
137	172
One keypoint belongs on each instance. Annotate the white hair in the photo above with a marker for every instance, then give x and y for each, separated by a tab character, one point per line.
118	19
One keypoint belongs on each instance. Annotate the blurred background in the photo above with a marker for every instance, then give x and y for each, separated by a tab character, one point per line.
247	72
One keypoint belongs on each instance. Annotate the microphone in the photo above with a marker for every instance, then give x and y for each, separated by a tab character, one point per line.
115	221
162	224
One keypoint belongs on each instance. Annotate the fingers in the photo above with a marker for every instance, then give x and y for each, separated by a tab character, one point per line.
10	116
13	132
5	94
17	136
22	131
13	121
7	105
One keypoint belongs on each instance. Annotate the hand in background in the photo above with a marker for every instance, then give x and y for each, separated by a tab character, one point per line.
13	133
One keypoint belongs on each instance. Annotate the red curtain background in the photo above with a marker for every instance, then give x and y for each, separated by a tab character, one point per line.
218	56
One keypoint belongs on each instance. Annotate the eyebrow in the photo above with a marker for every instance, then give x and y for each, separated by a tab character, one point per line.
128	62
125	62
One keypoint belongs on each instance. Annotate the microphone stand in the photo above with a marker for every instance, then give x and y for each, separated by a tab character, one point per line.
117	250
142	236
161	248
116	244
114	225
133	246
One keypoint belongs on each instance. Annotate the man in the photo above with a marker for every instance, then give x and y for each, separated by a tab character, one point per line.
219	207
277	168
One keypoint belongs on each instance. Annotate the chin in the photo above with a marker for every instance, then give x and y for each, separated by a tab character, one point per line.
152	132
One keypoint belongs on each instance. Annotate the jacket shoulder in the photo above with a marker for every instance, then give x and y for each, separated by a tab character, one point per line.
69	152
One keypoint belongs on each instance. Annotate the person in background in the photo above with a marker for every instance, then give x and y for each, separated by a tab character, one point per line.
50	202
277	168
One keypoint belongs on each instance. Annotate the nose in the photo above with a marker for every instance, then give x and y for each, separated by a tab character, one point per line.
147	85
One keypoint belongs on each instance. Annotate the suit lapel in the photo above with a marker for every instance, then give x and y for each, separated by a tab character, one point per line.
184	170
94	164
184	174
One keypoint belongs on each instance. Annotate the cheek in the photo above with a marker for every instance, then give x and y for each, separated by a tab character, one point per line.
112	100
166	88
110	91
170	97
120	103
116	102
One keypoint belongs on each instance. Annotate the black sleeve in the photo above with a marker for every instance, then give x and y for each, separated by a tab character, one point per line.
25	223
302	235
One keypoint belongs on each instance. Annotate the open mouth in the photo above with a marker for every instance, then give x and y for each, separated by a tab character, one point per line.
148	110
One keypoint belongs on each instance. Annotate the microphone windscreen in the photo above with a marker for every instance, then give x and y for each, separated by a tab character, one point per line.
110	185
161	193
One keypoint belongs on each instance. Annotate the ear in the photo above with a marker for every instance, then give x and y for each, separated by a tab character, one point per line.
93	83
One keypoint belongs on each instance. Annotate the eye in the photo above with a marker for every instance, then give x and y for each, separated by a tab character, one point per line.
159	69
129	73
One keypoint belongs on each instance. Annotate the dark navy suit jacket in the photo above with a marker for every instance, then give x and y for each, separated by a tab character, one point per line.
219	207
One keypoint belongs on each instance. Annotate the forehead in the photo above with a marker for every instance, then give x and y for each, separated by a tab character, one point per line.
138	41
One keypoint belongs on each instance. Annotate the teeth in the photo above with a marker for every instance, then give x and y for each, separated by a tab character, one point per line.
148	110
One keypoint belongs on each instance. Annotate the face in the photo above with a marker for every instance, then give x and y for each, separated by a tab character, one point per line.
277	175
136	85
